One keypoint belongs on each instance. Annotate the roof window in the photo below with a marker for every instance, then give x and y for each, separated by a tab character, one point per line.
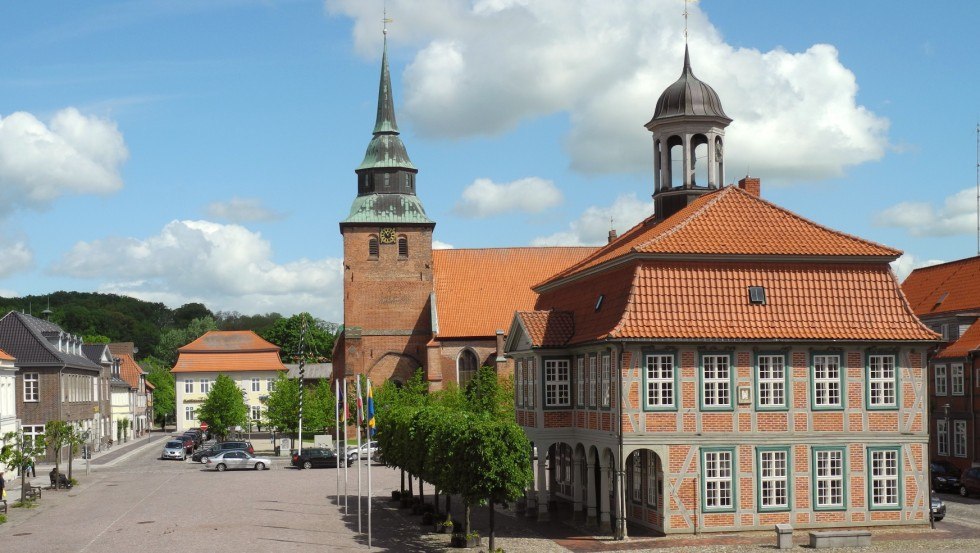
757	295
598	302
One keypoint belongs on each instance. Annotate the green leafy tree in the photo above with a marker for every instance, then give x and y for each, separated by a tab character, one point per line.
75	441
317	344
185	314
57	434
15	451
486	394
282	406
164	389
96	339
224	408
173	339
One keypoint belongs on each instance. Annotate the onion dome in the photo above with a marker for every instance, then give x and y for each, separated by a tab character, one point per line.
688	96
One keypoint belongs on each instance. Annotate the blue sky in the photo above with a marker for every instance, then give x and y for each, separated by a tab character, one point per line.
203	150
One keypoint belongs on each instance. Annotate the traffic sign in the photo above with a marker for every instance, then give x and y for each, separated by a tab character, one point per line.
204	426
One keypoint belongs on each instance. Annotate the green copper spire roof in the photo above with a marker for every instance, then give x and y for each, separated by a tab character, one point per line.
386	149
386	104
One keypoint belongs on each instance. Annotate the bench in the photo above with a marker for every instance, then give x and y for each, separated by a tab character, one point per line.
33	492
840	538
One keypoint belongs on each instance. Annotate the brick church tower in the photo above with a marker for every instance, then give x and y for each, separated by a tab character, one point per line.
387	258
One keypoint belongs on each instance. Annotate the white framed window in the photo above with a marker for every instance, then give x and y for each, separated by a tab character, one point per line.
188	413
33	433
189	386
531	377
716	381
882	381
466	367
606	377
637	480
956	377
256	412
580	381
942	437
884	477
557	384
205	386
827	381
520	383
939	374
717	471
592	379
660	380
959	438
32	387
255	384
828	468
773	479
772	381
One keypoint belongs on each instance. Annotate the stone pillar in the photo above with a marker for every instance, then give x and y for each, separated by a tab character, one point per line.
531	494
592	514
605	474
620	526
688	161
543	514
712	166
577	463
657	164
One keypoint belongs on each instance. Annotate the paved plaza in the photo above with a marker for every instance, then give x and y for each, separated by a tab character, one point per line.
133	502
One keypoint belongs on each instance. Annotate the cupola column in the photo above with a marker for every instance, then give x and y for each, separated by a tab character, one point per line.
713	181
688	161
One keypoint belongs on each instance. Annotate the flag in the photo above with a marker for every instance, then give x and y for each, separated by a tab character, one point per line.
370	410
360	404
343	397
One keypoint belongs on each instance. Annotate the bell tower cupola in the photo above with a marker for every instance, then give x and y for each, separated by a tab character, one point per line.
688	127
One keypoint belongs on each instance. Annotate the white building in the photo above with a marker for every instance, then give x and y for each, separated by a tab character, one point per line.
8	399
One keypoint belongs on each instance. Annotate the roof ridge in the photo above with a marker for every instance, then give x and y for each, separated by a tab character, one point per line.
712	199
628	308
905	301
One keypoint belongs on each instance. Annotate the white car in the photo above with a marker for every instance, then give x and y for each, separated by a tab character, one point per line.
354	454
236	459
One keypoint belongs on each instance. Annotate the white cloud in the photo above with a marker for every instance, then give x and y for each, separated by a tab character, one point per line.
906	263
483	67
957	215
437	245
485	198
72	154
15	256
592	227
242	210
226	266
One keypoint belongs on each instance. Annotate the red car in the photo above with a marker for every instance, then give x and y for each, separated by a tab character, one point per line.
188	441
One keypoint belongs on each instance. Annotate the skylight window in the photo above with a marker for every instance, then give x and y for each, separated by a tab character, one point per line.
757	295
598	303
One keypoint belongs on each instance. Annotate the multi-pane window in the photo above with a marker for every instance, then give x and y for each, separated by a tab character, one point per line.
33	434
466	367
531	377
773	479
592	380
189	386
826	381
652	486
882	381
256	412
884	477
557	385
717	469
716	381
959	438
580	381
660	380
520	383
188	413
828	468
942	437
268	384
956	376
940	377
205	386
32	387
606	376
255	384
637	480
772	381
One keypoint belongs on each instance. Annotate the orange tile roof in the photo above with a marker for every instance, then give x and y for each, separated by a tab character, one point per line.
732	222
956	283
6	356
688	300
227	362
477	291
969	341
547	328
239	341
129	370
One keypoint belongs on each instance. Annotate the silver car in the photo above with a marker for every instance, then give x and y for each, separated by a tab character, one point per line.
236	459
174	449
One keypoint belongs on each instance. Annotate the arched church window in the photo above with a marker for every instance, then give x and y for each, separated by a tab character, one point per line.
402	246
466	365
373	247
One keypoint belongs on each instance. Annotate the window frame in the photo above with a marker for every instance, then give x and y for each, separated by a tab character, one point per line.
673	380
815	477
787	478
942	437
959	446
841	382
869	463
374	247
402	247
33	378
759	406
580	381
953	379
531	370
253	409
256	384
190	413
653	486
605	391
593	377
869	379
556	384
467	353
732	479
936	380
636	480
702	380
519	379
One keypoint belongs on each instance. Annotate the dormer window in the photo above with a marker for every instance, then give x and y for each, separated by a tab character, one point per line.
757	295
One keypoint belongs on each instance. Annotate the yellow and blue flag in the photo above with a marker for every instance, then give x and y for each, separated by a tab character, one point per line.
370	410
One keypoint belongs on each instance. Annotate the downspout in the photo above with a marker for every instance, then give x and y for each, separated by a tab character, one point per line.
621	499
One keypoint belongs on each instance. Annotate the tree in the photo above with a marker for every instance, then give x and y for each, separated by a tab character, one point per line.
224	408
282	406
18	452
164	389
57	435
317	343
75	441
185	314
486	394
96	339
175	338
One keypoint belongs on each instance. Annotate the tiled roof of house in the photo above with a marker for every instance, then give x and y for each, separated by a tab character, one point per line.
732	222
6	356
228	362
22	336
944	288
122	348
698	301
477	291
967	342
237	341
547	328
96	353
130	370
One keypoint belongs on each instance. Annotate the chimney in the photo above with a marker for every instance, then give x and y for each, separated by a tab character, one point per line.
751	185
500	347
612	235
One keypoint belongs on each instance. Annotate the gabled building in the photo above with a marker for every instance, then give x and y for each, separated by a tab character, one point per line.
242	355
8	396
947	299
55	381
134	375
725	364
99	354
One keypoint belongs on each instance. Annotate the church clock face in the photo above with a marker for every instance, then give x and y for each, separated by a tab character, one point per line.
388	235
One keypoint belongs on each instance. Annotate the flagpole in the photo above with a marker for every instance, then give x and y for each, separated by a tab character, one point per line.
336	428
357	391
370	408
344	439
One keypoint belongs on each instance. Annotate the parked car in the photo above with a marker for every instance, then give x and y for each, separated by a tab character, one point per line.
316	457
970	481
198	436
205	451
239	444
354	454
237	459
938	508
188	442
945	476
174	449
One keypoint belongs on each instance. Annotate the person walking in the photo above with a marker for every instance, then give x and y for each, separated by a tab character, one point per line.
3	487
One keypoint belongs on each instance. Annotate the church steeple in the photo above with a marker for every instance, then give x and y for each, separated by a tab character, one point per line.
385	122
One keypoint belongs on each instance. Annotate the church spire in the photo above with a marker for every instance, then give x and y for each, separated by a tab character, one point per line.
385	122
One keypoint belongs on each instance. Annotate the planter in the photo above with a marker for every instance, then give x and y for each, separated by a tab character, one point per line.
442	528
396	495
461	541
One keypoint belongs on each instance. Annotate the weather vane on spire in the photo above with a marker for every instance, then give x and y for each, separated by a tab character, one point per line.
685	20
386	20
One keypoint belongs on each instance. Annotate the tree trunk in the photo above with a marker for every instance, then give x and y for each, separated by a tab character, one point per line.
435	500
449	510
421	491
402	489
57	472
466	518
71	456
411	491
491	546
23	484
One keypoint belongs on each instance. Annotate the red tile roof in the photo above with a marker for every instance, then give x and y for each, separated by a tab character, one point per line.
129	370
547	328
477	291
238	341
6	356
228	351
969	341
732	222
945	288
689	300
